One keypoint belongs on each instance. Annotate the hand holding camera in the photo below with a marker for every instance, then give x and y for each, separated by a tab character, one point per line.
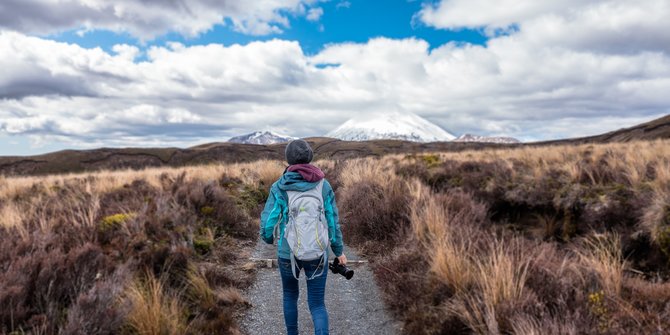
336	267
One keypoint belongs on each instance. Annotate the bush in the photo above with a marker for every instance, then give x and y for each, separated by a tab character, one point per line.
375	215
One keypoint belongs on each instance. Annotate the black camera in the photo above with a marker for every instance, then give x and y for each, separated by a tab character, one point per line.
336	267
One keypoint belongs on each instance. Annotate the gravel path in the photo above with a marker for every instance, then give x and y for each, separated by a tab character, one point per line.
354	306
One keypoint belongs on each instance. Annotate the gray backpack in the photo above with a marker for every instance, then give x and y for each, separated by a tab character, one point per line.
307	230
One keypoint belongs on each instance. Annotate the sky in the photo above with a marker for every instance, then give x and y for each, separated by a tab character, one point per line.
79	74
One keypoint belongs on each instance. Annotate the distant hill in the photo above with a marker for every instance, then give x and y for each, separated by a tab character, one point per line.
136	158
655	129
486	139
325	148
261	137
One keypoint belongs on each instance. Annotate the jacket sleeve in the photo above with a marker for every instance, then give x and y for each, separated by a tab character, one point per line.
270	216
332	217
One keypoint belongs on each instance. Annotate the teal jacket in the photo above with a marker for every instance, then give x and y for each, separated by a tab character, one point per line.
276	212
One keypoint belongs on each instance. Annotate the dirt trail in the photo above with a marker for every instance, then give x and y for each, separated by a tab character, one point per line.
354	306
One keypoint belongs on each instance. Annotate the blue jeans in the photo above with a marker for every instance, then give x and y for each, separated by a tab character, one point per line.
316	289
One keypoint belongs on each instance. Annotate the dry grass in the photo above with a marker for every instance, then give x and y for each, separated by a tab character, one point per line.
12	219
656	219
530	325
154	310
602	254
263	171
370	170
433	225
199	290
501	274
532	240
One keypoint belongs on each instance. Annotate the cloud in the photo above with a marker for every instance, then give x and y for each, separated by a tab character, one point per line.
343	4
558	73
148	19
314	14
595	25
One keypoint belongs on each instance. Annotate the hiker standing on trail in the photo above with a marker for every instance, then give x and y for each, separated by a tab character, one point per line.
301	206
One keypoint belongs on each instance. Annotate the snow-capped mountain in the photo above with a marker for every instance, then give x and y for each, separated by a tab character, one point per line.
261	137
486	139
393	125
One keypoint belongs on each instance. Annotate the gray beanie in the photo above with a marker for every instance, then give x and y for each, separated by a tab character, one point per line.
298	152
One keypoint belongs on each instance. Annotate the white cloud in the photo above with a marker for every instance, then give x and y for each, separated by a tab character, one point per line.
148	19
454	14
560	73
314	14
594	25
343	4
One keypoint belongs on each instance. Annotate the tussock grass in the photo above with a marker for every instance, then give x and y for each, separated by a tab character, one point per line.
530	325
433	224
12	219
154	310
602	254
501	274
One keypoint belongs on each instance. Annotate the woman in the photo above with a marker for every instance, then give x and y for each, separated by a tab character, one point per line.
300	177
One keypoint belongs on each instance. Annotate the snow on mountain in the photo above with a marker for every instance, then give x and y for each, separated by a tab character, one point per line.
261	137
394	126
486	139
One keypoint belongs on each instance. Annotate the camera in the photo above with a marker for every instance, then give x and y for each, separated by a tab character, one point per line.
336	267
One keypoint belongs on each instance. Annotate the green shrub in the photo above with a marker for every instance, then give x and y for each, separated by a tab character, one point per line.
207	210
431	160
664	240
202	245
251	197
114	221
203	241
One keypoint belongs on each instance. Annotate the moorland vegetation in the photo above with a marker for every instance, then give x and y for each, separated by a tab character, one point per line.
534	240
156	251
564	239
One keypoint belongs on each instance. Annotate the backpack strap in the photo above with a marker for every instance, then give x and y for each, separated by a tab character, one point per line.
324	262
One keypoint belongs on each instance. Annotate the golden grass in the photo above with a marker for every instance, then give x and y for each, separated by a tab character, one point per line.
154	311
20	193
432	225
632	160
530	325
656	218
499	278
199	290
501	275
373	170
265	171
12	218
602	254
478	314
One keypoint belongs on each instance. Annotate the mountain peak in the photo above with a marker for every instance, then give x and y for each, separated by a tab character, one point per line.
261	137
394	125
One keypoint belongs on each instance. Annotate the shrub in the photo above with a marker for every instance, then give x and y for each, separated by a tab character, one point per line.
100	309
375	214
115	221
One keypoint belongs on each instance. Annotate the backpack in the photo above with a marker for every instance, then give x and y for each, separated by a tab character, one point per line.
307	229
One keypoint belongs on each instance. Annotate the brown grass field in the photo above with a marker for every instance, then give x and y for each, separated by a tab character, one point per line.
564	239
